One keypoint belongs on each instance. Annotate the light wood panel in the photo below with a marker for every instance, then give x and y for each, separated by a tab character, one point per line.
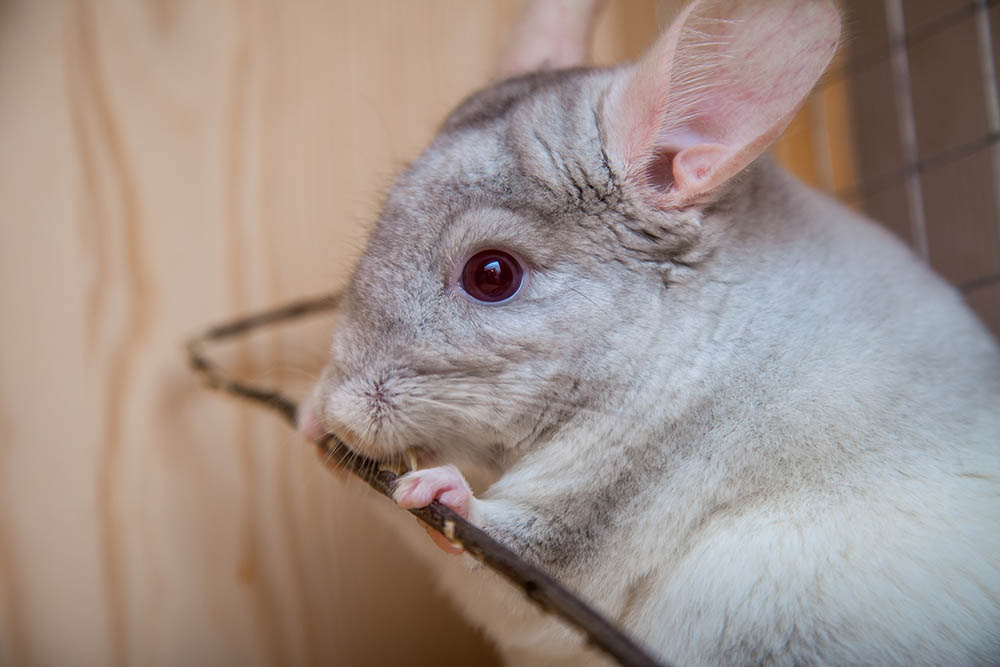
167	164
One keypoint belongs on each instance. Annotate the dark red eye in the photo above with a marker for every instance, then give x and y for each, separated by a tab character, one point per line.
491	276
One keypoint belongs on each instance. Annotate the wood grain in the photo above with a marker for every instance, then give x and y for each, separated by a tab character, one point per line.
168	163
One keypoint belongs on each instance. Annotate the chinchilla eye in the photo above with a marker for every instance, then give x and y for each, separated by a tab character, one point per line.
492	276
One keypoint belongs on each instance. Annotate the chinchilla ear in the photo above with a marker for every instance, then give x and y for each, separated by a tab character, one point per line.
551	34
713	92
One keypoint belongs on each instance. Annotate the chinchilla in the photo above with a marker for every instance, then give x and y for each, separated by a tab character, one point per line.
740	419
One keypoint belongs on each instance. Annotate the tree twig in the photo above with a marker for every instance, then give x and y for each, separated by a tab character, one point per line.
548	593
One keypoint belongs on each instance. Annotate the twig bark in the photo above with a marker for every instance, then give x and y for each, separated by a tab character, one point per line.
548	593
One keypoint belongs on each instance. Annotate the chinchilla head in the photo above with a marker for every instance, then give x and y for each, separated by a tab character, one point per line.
521	274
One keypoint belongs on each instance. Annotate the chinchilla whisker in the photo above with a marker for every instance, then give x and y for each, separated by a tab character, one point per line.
511	395
464	410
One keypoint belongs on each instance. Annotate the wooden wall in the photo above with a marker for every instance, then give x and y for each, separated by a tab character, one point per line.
167	164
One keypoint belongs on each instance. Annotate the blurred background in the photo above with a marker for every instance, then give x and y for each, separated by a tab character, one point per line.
168	164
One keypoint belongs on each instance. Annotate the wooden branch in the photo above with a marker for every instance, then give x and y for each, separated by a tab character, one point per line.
548	593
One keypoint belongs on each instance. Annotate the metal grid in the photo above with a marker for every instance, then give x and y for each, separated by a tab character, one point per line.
893	48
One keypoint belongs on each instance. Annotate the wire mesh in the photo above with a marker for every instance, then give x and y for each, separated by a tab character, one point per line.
925	117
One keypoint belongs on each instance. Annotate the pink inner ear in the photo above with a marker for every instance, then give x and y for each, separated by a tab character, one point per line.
695	167
683	160
687	169
715	90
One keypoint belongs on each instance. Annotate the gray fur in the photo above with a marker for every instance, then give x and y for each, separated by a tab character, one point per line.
758	430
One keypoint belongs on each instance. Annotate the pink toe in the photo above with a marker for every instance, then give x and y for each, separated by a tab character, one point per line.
445	483
422	495
457	500
422	487
407	493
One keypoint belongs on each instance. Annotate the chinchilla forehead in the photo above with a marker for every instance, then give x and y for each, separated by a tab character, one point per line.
531	145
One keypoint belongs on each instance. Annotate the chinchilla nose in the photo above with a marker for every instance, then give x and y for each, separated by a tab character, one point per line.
314	420
308	420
